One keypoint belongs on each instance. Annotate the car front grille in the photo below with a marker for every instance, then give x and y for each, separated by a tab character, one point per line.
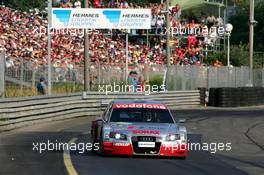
145	150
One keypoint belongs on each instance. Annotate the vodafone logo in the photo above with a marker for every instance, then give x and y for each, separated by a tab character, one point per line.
148	106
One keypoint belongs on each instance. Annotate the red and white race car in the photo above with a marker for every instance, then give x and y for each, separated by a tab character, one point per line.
136	127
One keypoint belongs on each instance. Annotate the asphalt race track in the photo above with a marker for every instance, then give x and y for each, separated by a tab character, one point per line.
242	127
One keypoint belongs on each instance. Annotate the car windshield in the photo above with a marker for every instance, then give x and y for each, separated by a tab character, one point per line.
141	115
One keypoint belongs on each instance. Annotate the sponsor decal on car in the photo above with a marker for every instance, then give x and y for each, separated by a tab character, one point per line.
145	132
148	106
146	144
121	144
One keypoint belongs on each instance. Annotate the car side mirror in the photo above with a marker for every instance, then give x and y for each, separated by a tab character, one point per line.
181	120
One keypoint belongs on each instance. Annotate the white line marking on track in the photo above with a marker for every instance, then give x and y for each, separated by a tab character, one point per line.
67	159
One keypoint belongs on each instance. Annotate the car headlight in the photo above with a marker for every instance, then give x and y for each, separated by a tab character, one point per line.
183	136
118	136
173	137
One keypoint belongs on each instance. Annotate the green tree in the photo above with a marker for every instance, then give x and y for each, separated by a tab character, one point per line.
240	22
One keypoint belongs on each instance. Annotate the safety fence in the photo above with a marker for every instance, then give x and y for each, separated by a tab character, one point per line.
193	77
27	74
170	98
19	112
181	77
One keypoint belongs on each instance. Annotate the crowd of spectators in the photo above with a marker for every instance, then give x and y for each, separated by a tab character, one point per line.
20	37
17	38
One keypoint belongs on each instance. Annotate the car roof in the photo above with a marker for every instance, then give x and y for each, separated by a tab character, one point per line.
137	102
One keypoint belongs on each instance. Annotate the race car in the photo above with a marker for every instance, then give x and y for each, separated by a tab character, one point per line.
139	127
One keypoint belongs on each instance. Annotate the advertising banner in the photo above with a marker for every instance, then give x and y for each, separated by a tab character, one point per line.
89	18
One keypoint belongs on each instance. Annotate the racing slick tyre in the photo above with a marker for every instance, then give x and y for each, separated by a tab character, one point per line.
94	141
94	150
100	151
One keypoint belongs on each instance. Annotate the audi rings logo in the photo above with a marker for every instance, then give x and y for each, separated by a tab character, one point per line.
146	139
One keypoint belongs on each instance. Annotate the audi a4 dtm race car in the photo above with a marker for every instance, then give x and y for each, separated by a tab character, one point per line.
136	127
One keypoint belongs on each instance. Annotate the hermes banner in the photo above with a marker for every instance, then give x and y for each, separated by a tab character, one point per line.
88	18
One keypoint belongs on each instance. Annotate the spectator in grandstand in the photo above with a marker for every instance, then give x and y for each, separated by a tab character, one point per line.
20	36
41	87
210	21
111	4
160	25
77	4
66	4
191	40
176	12
180	53
124	4
97	3
219	21
153	21
193	19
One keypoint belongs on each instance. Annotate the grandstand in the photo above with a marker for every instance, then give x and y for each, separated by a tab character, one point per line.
103	48
23	37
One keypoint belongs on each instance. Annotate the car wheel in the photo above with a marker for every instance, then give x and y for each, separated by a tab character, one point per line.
100	151
94	141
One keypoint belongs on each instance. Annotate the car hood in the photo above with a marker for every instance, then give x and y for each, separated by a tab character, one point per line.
144	128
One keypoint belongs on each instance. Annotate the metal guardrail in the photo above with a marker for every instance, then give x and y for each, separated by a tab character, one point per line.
171	98
19	112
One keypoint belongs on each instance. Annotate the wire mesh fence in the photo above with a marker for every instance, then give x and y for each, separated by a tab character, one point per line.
193	77
21	79
64	79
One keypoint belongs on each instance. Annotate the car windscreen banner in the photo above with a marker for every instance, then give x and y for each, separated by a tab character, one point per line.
147	106
105	18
